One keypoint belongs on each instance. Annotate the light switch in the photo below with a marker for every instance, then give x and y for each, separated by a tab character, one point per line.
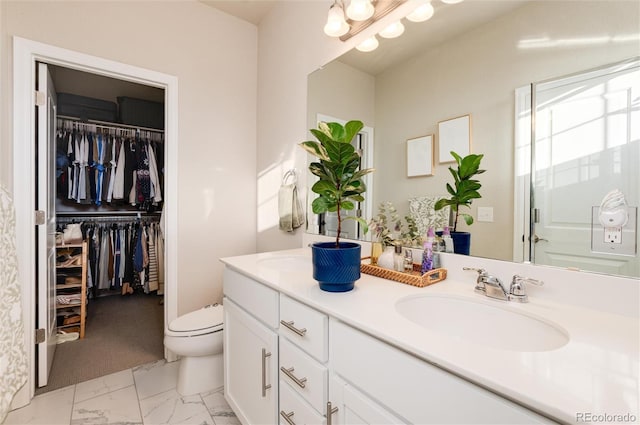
485	214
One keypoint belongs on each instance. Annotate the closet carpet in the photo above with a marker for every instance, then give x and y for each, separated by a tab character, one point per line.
121	332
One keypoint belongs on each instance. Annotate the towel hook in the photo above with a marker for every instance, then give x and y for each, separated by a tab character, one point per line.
290	173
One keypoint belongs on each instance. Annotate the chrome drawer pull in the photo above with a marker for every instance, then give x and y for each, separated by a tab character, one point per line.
289	325
287	417
330	411
289	373
265	386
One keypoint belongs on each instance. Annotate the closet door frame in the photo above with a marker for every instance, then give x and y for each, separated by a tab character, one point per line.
25	55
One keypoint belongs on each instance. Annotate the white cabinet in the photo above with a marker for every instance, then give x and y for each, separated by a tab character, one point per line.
416	390
350	406
250	350
289	363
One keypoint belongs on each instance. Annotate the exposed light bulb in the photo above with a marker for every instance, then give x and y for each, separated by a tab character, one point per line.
392	31
451	1
368	45
422	13
360	10
336	26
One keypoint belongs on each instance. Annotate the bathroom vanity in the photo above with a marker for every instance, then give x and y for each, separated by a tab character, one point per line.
387	352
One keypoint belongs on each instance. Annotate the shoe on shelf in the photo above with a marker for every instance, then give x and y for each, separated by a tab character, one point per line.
63	336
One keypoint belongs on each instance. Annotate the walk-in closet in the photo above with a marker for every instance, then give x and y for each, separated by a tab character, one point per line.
109	249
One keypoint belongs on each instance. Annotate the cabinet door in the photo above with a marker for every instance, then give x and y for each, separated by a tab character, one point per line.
352	407
251	361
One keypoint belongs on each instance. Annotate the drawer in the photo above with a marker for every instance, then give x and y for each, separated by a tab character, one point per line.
296	409
305	327
256	298
311	375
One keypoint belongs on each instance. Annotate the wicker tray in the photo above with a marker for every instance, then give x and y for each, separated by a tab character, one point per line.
414	278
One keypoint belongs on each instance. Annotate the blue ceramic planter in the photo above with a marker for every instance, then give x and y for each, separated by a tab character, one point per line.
336	269
461	242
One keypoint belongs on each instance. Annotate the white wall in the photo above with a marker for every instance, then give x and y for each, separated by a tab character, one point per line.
343	92
291	46
214	57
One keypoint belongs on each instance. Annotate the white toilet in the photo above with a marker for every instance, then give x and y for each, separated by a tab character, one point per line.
197	338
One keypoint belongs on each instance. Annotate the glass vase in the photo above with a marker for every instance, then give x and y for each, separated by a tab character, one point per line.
376	250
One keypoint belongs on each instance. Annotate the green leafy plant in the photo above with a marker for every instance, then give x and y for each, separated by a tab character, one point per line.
466	188
340	185
387	227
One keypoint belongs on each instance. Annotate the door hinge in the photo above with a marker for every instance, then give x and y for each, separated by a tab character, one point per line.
41	98
536	215
40	217
41	336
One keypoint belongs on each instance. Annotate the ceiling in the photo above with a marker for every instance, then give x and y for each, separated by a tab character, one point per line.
248	10
449	20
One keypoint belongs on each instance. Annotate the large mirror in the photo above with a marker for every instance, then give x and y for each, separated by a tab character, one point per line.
475	58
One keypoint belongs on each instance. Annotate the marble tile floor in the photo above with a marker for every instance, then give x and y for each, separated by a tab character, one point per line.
143	395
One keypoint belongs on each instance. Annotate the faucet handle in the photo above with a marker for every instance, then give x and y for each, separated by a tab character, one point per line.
517	291
480	271
482	274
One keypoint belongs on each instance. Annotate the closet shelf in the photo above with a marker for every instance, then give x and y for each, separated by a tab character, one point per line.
74	245
80	273
69	286
61	306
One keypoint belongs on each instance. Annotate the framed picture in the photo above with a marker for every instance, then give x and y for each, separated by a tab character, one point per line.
420	156
454	135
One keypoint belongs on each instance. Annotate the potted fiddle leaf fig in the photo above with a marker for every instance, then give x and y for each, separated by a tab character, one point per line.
336	265
464	191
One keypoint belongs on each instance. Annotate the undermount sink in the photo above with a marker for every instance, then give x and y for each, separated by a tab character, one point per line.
286	262
495	326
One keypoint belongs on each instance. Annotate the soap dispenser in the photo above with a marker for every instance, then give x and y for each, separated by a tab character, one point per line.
398	259
427	257
448	241
435	251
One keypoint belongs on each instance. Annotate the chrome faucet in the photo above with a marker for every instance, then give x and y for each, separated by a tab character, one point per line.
517	292
492	287
489	285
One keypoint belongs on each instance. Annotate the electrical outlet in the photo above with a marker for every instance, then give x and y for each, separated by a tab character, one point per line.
614	240
613	235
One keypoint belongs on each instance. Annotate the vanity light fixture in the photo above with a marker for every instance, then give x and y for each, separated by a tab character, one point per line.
336	25
392	31
360	14
424	12
360	10
368	45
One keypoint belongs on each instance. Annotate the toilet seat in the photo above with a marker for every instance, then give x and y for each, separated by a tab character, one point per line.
200	322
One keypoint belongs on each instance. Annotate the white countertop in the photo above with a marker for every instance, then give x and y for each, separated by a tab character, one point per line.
596	372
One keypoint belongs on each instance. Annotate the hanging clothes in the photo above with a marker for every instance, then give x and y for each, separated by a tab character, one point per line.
100	167
123	256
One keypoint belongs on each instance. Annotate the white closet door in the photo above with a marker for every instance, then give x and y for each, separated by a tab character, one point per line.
46	241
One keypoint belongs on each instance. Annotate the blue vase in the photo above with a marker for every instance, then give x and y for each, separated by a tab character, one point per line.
461	242
336	269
